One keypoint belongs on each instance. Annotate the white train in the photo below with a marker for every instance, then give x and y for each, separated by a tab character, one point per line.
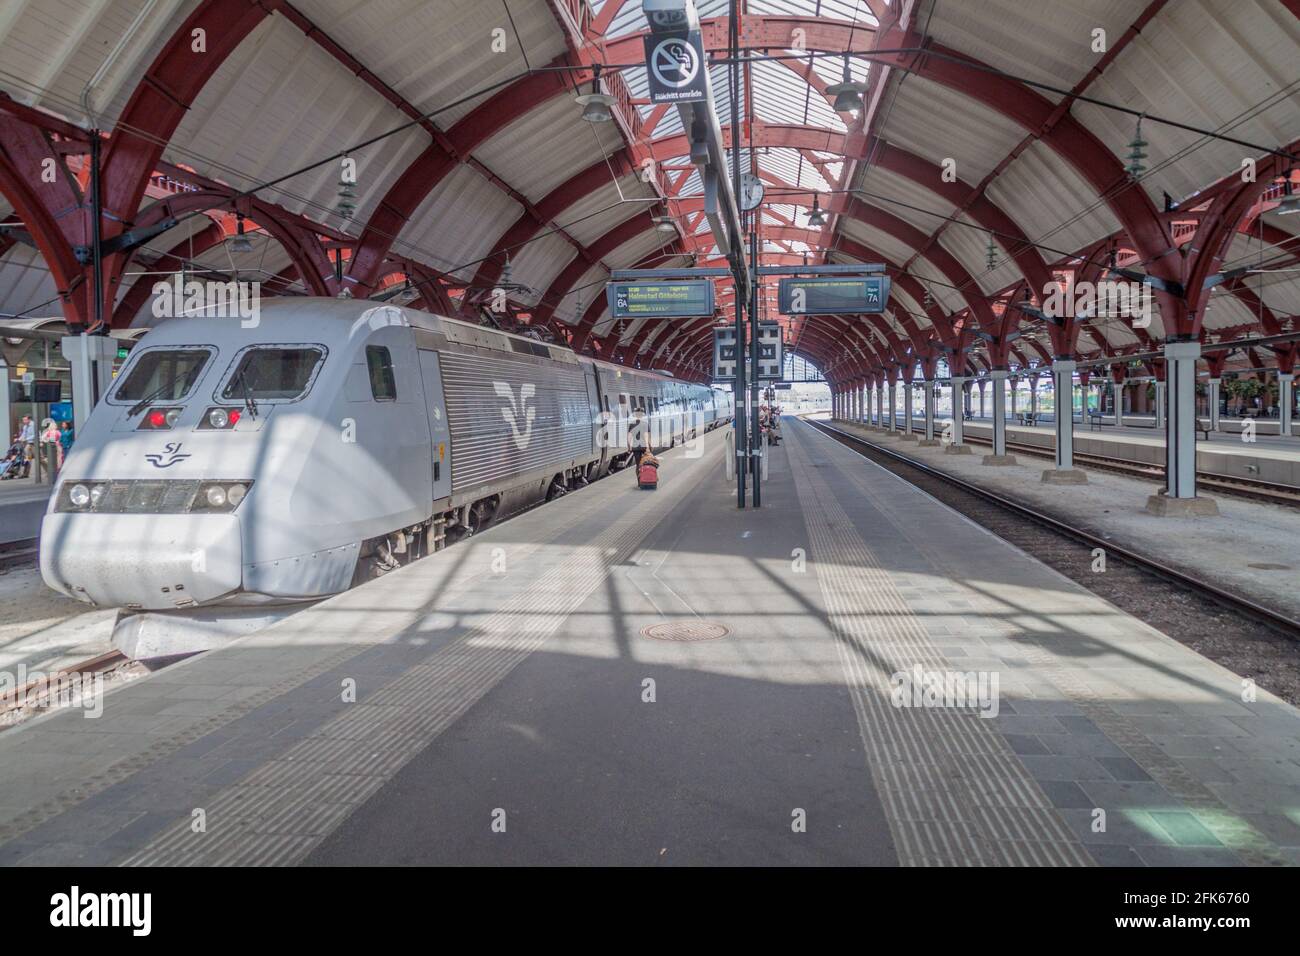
333	441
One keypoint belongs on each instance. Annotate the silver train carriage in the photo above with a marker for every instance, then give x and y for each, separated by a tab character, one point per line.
330	442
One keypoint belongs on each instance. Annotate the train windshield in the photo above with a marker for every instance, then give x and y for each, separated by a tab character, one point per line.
270	373
163	375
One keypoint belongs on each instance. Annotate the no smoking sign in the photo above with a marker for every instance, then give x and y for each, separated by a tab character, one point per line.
675	67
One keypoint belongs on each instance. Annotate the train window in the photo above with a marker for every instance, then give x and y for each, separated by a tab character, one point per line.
163	375
267	373
383	384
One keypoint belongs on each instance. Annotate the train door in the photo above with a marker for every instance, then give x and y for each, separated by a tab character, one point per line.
599	400
439	433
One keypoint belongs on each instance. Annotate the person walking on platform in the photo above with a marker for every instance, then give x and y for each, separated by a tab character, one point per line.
27	438
50	436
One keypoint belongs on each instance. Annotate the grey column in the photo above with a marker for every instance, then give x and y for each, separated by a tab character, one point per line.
958	408
930	410
893	404
1214	404
1285	398
1012	388
1180	432
982	415
999	379
1160	405
907	408
1063	396
5	411
1118	392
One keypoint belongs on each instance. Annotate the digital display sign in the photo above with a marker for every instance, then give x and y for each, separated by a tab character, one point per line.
834	295
635	300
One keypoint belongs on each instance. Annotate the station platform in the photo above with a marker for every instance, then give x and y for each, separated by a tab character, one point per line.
1269	458
510	709
22	506
1138	426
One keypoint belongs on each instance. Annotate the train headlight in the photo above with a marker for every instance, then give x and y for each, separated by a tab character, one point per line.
220	418
160	496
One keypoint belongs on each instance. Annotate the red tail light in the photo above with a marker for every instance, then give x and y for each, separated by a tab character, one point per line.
160	418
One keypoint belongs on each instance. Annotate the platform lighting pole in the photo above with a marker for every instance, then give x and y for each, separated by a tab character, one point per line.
742	431
754	430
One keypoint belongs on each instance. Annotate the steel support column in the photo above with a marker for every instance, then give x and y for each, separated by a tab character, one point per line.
958	411
892	412
999	379
1285	400
1214	404
1180	437
1063	398
929	411
1160	405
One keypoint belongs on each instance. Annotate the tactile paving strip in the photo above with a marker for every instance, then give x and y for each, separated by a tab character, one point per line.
278	813
953	791
1252	847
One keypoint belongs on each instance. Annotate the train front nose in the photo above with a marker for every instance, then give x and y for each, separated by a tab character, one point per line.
148	561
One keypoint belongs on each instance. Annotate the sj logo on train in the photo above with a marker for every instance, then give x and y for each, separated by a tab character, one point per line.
516	411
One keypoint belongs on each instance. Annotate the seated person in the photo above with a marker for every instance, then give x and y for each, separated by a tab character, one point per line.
12	463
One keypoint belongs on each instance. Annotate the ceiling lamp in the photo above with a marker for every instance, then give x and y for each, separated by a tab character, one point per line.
992	253
1136	152
665	223
816	218
848	94
595	105
239	242
1290	204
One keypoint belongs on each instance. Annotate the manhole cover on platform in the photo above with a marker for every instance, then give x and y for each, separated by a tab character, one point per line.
685	631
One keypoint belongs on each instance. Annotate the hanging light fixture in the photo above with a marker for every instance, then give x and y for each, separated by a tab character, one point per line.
346	202
929	299
1290	204
1137	152
816	217
239	242
665	223
992	254
595	105
847	93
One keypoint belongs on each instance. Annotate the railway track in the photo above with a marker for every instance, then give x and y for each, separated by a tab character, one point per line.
1256	490
1242	635
18	554
37	695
